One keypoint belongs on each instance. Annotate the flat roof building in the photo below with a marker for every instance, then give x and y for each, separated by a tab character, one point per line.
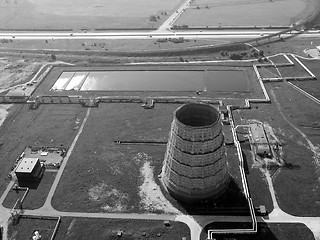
29	169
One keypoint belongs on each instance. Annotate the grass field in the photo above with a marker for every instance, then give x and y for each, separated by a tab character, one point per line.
273	231
47	126
108	45
36	195
241	13
312	87
295	186
92	228
26	227
109	177
75	14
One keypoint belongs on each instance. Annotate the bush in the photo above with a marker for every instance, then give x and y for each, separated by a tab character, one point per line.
261	53
53	57
235	56
254	53
153	18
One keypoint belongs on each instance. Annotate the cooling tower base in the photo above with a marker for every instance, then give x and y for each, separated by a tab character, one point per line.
194	198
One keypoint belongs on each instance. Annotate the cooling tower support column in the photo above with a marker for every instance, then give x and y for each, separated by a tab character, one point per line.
195	165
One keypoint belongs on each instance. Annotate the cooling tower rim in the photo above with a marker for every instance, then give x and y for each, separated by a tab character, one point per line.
216	122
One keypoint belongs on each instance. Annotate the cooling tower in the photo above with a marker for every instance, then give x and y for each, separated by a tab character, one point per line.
195	165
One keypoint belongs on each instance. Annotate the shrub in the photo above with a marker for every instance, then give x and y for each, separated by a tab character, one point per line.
235	56
261	53
53	57
254	53
153	18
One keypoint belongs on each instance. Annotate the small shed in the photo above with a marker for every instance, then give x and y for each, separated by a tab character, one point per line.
259	139
16	95
29	169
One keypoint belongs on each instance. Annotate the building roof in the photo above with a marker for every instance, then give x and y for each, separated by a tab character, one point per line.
26	165
258	134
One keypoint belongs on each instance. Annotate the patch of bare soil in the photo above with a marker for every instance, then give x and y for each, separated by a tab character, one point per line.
116	201
16	71
152	198
4	111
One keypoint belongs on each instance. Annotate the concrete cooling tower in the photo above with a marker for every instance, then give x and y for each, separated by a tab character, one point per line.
195	165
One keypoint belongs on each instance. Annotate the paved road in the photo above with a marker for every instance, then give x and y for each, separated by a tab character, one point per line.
216	34
170	21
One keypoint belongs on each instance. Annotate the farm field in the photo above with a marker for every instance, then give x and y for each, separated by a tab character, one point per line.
241	13
75	14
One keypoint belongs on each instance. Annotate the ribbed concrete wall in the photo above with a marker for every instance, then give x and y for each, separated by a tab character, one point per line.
195	167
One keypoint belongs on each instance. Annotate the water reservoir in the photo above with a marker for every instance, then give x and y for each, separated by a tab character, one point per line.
210	81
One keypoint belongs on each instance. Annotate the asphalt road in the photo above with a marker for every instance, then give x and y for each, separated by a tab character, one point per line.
215	34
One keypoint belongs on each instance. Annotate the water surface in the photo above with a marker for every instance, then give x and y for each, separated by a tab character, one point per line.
211	81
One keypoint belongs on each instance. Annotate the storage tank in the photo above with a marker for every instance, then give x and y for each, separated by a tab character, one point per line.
195	165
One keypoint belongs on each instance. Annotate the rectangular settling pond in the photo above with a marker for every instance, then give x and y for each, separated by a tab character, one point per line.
211	81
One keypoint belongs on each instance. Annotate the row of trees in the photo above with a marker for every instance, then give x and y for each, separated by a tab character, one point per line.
238	56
